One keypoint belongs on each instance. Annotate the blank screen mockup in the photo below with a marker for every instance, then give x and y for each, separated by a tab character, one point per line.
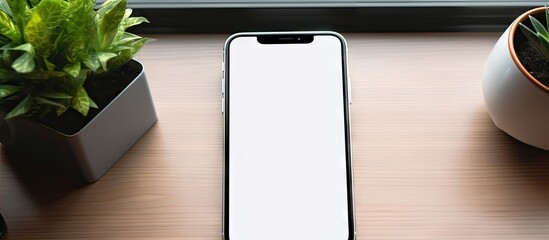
287	145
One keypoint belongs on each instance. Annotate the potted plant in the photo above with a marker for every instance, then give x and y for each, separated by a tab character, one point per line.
516	79
69	89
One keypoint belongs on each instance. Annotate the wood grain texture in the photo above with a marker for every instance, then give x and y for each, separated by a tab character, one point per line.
428	161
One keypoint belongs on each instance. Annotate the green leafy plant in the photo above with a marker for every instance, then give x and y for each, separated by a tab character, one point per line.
540	37
49	48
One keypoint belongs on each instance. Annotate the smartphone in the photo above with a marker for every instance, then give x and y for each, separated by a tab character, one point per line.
287	144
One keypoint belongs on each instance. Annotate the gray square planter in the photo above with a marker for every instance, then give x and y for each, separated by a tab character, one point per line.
94	149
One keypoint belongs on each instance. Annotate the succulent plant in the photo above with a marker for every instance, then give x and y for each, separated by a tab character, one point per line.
539	36
50	47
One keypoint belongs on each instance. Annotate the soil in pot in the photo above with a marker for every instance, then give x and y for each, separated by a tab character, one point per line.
527	54
533	61
102	89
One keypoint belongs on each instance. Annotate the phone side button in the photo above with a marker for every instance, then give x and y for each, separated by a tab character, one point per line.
349	91
222	105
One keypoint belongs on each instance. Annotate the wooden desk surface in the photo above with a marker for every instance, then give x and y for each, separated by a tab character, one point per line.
428	161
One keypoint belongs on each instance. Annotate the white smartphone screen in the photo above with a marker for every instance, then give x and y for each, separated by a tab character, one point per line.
287	144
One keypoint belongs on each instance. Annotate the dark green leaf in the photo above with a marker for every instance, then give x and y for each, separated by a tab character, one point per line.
23	64
6	57
46	101
4	40
49	65
7	90
64	106
34	2
43	75
21	108
56	95
6	75
66	103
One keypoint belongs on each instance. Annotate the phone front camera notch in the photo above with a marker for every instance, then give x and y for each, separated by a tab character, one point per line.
285	39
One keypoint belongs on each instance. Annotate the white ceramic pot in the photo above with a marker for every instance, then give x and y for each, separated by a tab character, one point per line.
517	102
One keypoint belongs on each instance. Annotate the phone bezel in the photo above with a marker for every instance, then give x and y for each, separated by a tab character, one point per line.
347	120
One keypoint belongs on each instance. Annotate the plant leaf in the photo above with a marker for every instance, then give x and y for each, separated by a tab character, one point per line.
91	61
106	3
540	42
21	108
7	90
81	31
18	10
65	106
8	28
121	48
81	101
128	12
539	27
5	7
46	101
544	42
128	37
23	64
73	69
43	74
56	95
125	55
121	26
49	65
109	21
27	47
133	21
34	2
6	74
41	27
104	57
546	16
93	104
531	35
6	55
